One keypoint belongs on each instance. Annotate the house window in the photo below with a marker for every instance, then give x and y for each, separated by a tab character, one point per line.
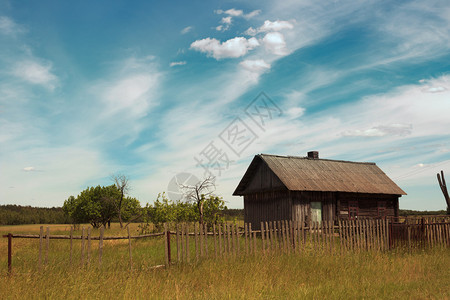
382	212
352	210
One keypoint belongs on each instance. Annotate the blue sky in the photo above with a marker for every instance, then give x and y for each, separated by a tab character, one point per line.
150	89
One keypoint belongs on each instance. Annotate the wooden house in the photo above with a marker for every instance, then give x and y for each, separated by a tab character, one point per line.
312	189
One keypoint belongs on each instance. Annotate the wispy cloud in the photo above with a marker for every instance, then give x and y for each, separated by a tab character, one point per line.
233	13
381	130
186	29
257	66
177	63
238	13
270	26
9	27
36	72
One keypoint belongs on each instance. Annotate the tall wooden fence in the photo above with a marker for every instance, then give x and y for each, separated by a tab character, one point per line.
193	242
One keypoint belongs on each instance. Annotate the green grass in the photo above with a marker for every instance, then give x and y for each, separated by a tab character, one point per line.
418	275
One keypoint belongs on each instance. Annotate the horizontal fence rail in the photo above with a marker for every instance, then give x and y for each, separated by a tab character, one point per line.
191	242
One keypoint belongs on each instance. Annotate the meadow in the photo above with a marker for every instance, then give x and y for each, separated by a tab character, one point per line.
421	274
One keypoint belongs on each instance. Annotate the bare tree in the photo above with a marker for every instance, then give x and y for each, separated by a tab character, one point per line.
122	183
444	190
199	192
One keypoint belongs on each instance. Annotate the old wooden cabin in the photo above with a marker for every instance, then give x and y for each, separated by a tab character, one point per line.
312	189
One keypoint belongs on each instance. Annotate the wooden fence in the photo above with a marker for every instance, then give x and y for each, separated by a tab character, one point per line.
87	240
193	242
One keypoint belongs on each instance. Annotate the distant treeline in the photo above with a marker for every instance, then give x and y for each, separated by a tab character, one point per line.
231	214
17	214
408	212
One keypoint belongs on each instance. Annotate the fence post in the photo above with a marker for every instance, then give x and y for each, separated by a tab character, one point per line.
220	239
48	245
129	248
237	238
100	245
215	240
71	242
41	234
166	245
9	253
408	227
89	246
178	243
82	246
388	234
187	244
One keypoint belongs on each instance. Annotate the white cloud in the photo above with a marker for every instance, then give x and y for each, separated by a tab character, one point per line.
125	97
226	20
275	26
252	14
257	66
177	63
8	26
36	73
435	89
238	13
29	169
131	93
382	130
274	43
251	31
186	29
234	12
236	47
295	112
270	26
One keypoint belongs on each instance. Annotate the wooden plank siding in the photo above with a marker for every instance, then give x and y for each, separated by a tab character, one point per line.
301	210
292	205
264	180
266	206
367	204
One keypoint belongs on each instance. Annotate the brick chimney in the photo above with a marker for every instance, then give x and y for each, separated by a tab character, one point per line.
313	154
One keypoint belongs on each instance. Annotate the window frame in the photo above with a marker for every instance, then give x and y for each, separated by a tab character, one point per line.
382	209
353	210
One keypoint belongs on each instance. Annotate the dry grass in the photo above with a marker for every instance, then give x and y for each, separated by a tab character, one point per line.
420	275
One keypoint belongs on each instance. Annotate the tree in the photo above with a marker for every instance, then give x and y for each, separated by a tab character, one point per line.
198	193
94	205
121	182
98	206
164	210
213	208
444	190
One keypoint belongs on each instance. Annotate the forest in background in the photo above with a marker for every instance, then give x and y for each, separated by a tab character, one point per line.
11	214
18	215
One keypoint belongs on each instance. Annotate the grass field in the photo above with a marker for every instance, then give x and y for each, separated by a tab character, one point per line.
419	275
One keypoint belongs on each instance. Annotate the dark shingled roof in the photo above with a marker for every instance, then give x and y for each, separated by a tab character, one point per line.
325	175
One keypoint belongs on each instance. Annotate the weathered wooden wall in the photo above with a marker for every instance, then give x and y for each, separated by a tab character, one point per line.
367	204
267	206
301	210
264	180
